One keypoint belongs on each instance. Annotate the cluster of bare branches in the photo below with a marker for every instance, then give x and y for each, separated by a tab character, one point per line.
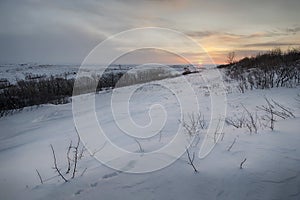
251	120
237	122
194	123
268	70
41	89
274	109
55	165
231	57
74	154
248	120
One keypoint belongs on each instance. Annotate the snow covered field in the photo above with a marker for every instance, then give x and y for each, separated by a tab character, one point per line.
14	72
271	169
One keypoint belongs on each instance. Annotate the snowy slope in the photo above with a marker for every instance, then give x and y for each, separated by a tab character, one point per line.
271	171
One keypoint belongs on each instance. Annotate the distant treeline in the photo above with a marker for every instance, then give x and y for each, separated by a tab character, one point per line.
266	70
40	89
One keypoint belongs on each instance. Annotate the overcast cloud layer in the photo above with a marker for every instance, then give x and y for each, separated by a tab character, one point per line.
60	31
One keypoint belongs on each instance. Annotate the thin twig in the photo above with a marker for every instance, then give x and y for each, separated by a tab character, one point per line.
191	160
140	146
98	150
76	153
216	131
83	171
284	109
252	121
241	165
39	175
55	165
83	149
68	158
231	144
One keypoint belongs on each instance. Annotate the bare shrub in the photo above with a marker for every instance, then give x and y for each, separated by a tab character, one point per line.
247	119
231	57
39	89
35	92
72	160
55	165
237	122
192	125
274	109
251	120
268	70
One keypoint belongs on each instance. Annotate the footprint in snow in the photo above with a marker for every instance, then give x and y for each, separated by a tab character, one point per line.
94	184
78	192
130	165
110	175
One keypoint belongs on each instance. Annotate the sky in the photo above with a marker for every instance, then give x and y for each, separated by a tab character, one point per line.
65	32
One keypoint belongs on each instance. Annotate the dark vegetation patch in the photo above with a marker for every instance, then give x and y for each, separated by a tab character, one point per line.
40	89
268	70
